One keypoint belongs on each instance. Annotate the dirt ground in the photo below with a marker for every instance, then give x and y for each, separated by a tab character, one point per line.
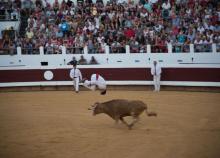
57	124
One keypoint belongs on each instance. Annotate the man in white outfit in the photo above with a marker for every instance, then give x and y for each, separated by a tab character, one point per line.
96	81
156	72
76	75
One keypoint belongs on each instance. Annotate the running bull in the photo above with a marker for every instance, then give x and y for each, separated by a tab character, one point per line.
117	109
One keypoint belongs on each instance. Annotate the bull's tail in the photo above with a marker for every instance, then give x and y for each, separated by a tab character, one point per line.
151	113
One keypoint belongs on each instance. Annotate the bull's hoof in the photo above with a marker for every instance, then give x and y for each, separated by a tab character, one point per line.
130	126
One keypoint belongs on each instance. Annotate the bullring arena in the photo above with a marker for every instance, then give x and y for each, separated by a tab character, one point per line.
55	124
41	116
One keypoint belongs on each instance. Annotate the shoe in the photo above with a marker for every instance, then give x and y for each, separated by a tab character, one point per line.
103	92
83	80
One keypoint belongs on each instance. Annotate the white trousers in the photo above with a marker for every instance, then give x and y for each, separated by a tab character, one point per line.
156	82
76	84
92	85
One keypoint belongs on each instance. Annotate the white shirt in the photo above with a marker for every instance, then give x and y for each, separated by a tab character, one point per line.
153	1
201	29
97	22
97	80
121	1
166	6
198	41
100	38
156	69
75	73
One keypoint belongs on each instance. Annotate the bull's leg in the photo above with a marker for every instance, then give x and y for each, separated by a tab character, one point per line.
116	120
135	120
123	121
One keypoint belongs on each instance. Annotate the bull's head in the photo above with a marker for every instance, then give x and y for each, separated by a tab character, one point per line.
96	108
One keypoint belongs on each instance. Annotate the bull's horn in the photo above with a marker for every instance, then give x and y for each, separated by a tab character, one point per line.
94	105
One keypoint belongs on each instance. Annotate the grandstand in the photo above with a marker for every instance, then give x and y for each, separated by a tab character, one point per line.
41	116
44	35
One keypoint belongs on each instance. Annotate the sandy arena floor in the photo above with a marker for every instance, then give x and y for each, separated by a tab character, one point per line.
57	124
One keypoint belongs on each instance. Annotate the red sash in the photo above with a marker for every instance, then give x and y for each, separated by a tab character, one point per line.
97	77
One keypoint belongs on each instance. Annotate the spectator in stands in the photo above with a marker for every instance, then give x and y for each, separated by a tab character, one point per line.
148	6
73	61
153	1
115	47
93	61
59	34
166	9
90	46
100	37
14	14
191	35
78	45
12	48
28	47
56	6
18	42
148	22
101	47
64	27
128	22
69	3
82	60
6	41
39	3
134	46
7	14
181	38
129	33
198	44
29	33
17	3
28	5
49	48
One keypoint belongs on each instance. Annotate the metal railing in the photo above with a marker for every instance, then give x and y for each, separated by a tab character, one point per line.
117	50
8	51
181	48
218	47
30	51
159	49
197	48
74	50
9	17
206	48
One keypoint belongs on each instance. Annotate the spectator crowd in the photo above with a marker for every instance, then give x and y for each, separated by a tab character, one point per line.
118	23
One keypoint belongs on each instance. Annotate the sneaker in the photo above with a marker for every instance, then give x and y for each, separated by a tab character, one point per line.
103	92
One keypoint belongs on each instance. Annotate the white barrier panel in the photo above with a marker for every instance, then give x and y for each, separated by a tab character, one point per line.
19	50
41	50
113	83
